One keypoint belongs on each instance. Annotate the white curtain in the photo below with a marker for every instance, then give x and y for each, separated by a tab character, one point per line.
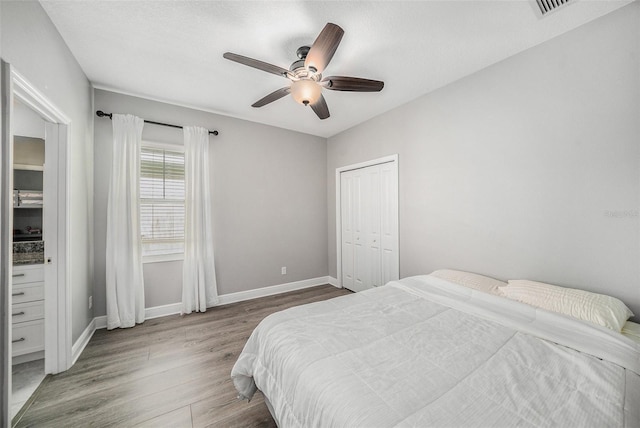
198	276
125	284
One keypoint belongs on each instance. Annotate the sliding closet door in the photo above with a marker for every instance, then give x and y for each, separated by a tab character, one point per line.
369	224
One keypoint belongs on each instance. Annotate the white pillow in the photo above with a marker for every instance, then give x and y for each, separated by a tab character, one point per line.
470	280
599	309
631	330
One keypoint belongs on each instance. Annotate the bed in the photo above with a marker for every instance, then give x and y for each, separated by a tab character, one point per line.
424	351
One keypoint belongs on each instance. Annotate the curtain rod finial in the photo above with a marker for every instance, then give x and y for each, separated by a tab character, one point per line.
100	113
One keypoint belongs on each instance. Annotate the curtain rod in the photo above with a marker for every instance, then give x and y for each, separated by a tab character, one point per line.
100	113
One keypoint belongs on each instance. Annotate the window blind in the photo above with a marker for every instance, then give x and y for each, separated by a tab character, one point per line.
161	201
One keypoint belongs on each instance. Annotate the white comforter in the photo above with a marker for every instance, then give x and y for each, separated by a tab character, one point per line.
424	352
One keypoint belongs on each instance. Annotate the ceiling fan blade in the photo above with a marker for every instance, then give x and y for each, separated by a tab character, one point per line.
320	107
354	84
273	96
260	65
324	47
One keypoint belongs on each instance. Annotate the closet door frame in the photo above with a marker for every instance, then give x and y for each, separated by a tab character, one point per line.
386	159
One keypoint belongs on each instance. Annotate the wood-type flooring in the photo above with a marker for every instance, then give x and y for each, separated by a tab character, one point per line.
168	372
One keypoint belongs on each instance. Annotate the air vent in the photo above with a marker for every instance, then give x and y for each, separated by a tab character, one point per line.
547	6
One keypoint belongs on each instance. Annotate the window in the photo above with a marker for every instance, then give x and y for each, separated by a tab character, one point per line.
161	202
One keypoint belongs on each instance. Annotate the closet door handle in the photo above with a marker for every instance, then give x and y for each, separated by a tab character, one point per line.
15	275
18	314
22	339
17	294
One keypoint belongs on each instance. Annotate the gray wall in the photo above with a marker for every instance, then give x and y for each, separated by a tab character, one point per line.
31	43
526	169
269	195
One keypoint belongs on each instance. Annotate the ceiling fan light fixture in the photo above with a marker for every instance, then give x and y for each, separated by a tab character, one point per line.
305	91
305	74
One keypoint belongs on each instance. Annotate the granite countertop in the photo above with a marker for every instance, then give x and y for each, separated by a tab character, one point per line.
28	253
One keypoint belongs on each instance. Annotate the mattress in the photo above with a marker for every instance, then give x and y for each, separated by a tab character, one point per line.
425	352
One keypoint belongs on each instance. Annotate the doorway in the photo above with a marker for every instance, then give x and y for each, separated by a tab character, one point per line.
28	281
35	295
367	223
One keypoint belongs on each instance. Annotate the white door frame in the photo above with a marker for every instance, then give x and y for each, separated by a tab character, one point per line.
385	159
6	205
58	339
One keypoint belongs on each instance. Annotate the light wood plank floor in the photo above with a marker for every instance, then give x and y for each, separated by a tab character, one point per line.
168	372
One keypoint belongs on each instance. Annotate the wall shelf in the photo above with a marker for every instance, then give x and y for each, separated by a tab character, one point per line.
25	167
25	237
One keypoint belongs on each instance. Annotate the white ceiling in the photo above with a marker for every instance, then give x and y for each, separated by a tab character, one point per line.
172	50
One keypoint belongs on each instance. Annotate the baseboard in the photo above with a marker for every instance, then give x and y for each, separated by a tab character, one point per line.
333	281
162	311
83	340
149	313
224	299
240	296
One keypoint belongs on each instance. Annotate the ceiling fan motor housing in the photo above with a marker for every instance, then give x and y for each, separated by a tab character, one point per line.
298	68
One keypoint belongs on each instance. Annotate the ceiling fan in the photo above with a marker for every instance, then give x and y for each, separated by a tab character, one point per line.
306	73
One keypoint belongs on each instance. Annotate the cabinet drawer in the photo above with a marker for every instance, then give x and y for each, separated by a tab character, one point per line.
27	292
23	312
27	337
26	274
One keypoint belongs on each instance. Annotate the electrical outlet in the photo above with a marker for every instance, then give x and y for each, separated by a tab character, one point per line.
284	270
90	302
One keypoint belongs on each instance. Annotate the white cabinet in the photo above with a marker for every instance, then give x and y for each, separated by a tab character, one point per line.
369	226
27	309
27	337
28	292
27	274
